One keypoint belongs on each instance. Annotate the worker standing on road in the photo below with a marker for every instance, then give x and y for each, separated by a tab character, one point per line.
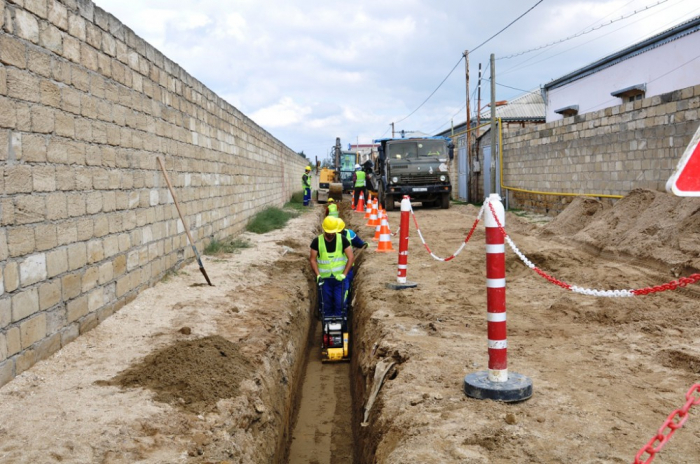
331	259
306	185
359	181
332	208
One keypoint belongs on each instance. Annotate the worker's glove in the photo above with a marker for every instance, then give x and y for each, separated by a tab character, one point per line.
340	277
318	279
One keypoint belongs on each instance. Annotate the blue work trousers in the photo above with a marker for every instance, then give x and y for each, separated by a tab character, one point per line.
331	294
307	196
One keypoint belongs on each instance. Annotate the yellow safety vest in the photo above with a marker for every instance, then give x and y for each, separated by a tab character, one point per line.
331	263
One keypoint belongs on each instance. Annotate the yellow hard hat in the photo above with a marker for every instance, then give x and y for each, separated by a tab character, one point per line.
341	225
308	168
330	200
330	225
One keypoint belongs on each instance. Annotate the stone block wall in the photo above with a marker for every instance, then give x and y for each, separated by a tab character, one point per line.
608	152
86	219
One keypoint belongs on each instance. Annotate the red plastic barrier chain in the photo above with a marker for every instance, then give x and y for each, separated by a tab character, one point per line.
672	423
459	250
673	285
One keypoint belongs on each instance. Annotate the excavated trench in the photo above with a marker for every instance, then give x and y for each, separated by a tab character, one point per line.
324	406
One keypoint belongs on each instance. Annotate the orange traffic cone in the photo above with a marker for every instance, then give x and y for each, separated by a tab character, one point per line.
373	218
352	200
384	245
368	212
377	232
361	204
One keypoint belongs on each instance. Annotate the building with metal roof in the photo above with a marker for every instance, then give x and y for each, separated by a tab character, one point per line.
660	64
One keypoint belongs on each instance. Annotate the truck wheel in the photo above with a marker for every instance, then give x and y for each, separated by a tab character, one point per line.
445	203
389	202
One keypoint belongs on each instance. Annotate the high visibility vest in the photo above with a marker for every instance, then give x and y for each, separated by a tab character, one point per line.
305	181
331	263
360	182
333	210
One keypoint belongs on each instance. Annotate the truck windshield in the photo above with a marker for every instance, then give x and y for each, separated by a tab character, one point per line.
347	162
417	149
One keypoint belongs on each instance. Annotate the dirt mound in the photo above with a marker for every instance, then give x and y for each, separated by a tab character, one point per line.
650	226
192	374
575	217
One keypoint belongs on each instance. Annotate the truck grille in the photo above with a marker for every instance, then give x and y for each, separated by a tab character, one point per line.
419	179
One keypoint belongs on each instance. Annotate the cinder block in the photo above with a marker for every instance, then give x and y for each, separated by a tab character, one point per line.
77	27
5	312
50	94
88	57
90	278
71	48
3	352
18	179
20	241
77	256
8	115
3	81
32	330
85	228
72	285
69	334
70	100
77	308
46	236
88	323
96	299
56	262
11	276
39	62
22	85
44	178
7	371
94	36
14	343
24	304
94	202
101	226
95	251
29	209
48	346
49	294
33	269
26	26
56	206
58	15
34	150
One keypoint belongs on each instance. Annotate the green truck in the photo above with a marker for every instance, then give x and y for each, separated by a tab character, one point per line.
415	166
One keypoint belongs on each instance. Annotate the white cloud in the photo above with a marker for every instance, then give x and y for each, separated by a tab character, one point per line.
283	113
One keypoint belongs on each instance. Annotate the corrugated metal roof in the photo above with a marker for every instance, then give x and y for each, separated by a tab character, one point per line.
675	33
526	107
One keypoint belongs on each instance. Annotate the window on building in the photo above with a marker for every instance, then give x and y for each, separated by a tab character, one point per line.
568	111
630	94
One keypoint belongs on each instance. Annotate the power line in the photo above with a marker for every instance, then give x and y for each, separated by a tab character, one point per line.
433	93
511	23
507	86
584	32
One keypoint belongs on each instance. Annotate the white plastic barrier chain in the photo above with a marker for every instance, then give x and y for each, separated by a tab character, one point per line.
461	247
682	282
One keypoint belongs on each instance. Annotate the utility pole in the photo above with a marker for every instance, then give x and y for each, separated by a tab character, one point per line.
467	136
492	165
478	123
392	130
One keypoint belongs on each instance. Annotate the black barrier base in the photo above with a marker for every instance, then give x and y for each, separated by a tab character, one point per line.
397	286
516	388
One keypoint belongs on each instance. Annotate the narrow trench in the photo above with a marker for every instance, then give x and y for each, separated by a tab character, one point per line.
322	432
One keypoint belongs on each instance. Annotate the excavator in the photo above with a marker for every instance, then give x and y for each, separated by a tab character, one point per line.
332	179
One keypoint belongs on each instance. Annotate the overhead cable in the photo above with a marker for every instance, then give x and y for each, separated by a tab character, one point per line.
511	23
586	31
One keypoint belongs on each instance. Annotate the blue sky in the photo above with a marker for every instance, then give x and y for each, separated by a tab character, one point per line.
309	71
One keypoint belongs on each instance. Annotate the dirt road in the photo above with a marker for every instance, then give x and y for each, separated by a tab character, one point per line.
606	371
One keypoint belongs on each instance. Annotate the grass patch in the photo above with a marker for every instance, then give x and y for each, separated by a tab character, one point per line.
296	203
217	247
269	219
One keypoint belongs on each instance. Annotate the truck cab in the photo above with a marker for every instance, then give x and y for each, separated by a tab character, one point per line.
417	167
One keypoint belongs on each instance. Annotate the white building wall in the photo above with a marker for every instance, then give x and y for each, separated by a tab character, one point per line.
657	68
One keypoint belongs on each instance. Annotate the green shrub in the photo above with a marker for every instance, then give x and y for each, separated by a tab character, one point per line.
269	219
217	247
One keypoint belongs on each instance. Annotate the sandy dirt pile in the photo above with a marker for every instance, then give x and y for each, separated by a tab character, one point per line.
184	373
606	371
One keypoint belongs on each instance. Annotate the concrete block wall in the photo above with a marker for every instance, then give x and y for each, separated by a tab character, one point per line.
607	152
86	220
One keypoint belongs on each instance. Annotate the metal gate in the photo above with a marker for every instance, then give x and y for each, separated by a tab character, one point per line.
462	168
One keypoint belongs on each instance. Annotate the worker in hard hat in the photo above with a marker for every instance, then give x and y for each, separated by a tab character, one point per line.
332	208
331	259
306	185
357	243
359	182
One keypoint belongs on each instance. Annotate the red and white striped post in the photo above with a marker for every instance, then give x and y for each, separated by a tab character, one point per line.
401	281
496	383
496	293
